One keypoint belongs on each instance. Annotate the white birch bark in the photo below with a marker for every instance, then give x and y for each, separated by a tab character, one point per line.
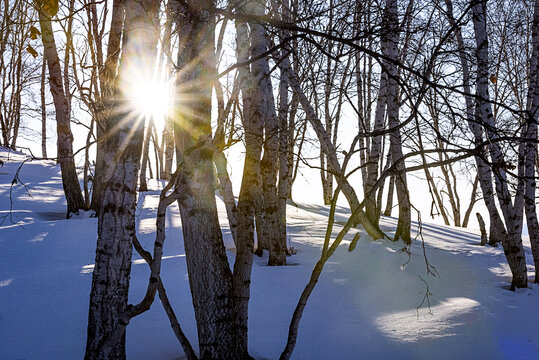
168	130
116	225
107	78
375	152
390	49
497	228
263	105
250	184
222	330
531	143
284	131
512	213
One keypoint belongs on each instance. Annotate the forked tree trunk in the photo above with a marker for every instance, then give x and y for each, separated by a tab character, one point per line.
512	244
497	228
70	181
116	224
220	333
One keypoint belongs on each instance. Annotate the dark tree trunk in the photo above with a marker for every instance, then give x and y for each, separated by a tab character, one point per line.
390	192
219	332
43	110
70	181
484	237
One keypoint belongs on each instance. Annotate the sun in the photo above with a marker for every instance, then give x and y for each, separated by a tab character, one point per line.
149	97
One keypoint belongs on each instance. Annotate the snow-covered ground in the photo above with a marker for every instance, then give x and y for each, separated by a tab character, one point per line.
370	303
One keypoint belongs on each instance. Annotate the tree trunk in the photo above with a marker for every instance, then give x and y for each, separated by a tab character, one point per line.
145	156
473	198
512	244
219	332
329	148
107	78
390	192
226	191
497	228
168	129
375	152
390	47
116	224
43	110
70	181
263	105
284	133
484	237
532	117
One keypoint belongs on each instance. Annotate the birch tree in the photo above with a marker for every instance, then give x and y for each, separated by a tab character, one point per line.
116	224
512	212
220	297
70	182
530	138
263	106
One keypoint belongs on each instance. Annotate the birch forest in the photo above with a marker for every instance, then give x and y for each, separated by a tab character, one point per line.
411	109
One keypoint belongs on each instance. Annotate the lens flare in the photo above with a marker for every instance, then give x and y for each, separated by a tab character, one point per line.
149	97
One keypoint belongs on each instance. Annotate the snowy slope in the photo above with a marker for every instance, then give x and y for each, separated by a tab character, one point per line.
365	305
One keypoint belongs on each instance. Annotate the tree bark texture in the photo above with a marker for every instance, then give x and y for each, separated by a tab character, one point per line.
497	228
532	117
390	49
484	237
70	181
250	184
376	149
284	134
512	244
263	106
116	224
210	278
107	79
43	110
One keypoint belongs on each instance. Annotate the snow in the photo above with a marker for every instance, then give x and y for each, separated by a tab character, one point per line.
366	305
